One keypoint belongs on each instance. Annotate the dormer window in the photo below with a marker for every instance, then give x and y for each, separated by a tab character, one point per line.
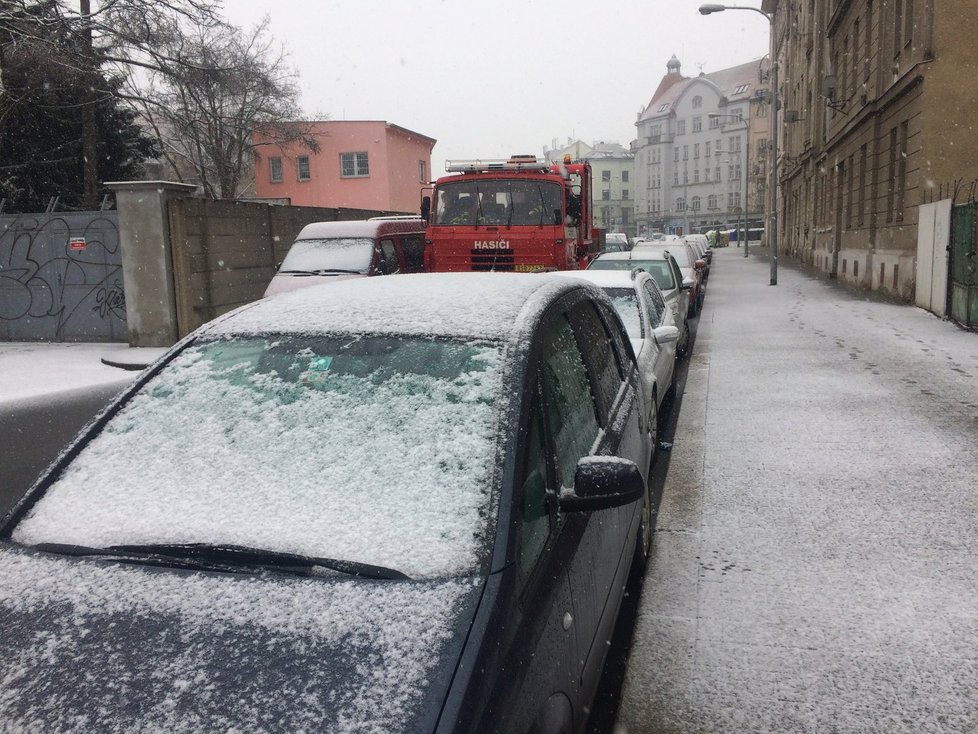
742	89
697	102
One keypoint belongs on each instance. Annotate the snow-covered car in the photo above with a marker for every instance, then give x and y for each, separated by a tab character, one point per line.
650	326
391	504
615	242
330	252
668	278
704	246
691	266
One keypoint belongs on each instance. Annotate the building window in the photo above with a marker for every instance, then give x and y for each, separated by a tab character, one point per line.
696	203
742	88
422	173
606	195
697	124
707	148
733	201
624	176
711	201
606	175
275	170
624	194
697	102
302	167
714	122
685	152
681	127
680	204
716	174
353	165
675	153
891	176
696	150
902	172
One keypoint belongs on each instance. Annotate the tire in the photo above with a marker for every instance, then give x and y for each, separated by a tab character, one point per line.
682	347
643	540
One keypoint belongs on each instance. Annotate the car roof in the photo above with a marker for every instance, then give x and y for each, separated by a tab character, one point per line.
359	228
604	278
495	306
642	251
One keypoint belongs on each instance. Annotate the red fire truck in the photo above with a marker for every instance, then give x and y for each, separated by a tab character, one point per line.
522	214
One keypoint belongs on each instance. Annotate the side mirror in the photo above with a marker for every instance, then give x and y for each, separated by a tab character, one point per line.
425	207
665	334
687	284
699	264
602	482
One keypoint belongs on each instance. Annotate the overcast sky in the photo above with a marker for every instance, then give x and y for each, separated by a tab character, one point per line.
494	78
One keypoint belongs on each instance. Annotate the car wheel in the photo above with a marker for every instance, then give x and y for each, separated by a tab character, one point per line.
682	348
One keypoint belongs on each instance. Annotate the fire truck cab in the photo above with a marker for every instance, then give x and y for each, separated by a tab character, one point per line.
522	214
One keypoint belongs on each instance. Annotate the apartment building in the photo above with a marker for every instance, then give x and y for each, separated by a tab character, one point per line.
877	119
702	151
613	172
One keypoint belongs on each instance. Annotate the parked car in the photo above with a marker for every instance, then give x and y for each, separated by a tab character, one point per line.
329	252
650	326
668	278
615	242
699	253
690	266
704	246
394	504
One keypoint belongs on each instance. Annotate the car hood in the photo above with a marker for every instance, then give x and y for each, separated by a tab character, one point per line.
99	646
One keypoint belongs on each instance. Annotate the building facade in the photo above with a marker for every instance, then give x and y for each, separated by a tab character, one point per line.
702	151
876	99
613	172
360	165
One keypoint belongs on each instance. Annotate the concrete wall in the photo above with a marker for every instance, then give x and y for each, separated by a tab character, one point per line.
186	260
226	252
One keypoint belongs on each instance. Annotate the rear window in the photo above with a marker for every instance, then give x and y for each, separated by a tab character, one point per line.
374	450
658	269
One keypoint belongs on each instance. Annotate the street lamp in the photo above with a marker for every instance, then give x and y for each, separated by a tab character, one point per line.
746	121
773	234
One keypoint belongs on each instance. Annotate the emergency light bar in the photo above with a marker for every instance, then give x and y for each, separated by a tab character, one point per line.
510	164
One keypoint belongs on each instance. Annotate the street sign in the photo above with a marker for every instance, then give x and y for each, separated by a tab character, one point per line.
76	243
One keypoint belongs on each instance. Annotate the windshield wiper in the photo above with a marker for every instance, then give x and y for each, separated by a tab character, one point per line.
319	271
230	558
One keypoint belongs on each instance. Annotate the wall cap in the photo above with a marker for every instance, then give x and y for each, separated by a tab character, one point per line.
142	185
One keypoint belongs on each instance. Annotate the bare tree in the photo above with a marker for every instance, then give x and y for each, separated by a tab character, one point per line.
230	94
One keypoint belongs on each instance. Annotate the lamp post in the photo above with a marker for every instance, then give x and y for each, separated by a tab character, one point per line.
773	234
746	121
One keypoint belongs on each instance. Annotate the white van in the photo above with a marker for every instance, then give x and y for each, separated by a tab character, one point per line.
327	252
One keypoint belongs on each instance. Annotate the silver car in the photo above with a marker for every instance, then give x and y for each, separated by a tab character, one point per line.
668	277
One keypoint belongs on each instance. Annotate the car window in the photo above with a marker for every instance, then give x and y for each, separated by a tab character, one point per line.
412	245
658	269
387	263
567	401
676	273
533	500
654	300
625	301
599	357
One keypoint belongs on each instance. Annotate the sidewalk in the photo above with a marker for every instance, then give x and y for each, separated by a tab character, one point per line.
816	562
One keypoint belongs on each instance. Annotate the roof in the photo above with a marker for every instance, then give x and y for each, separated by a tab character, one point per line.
736	83
359	228
493	306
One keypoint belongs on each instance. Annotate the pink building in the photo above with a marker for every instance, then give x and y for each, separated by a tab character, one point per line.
361	164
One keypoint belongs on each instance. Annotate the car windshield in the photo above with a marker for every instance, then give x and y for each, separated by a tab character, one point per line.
658	269
625	302
349	254
370	450
498	201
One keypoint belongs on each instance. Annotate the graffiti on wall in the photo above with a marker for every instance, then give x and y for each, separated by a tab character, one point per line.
61	278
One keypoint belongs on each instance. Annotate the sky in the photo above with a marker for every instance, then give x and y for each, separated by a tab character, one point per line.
491	79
